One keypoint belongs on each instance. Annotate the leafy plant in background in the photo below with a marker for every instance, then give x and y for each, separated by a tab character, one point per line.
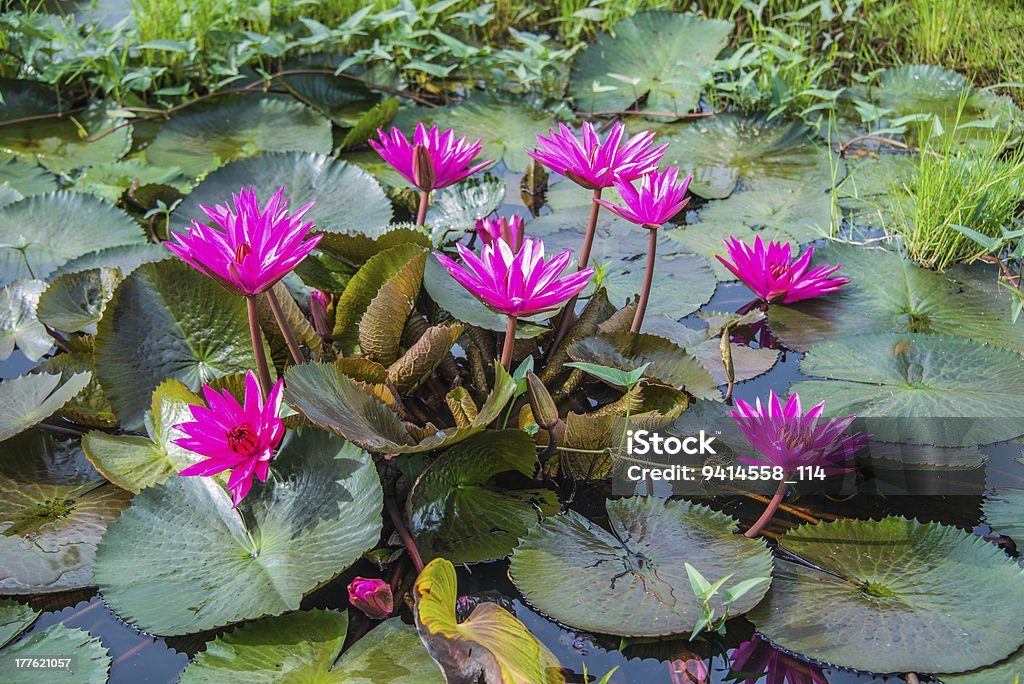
707	593
1007	250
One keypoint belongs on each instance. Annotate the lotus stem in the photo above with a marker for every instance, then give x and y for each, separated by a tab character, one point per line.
569	312
773	505
421	215
286	329
645	294
262	368
510	342
403	532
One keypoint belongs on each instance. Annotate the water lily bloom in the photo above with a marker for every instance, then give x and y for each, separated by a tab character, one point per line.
500	228
660	197
250	249
433	160
753	659
594	164
774	277
372	596
232	437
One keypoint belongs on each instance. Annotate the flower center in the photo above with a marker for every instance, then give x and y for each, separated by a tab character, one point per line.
243	250
242	440
778	269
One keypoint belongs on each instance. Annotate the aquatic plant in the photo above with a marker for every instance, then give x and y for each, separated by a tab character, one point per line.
494	228
774	277
371	596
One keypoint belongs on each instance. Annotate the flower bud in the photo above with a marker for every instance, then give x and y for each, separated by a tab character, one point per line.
423	168
318	303
372	596
543	406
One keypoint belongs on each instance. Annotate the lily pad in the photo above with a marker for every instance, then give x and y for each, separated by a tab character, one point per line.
109	181
1007	670
491	645
52	515
25	177
890	293
721	150
342	100
921	389
1004	512
90	407
457	207
455	511
621	68
305	646
632	581
14	619
179	559
42	233
19	326
126	259
91	661
334	402
75	301
204	137
30	399
902	596
167	320
347	198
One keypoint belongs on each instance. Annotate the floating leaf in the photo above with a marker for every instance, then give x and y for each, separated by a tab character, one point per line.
91	663
180	558
456	512
491	645
204	137
343	100
380	328
19	326
29	399
109	181
621	68
358	248
922	389
167	320
75	301
52	515
347	199
1010	669
90	406
24	177
367	125
1004	512
42	233
126	259
632	581
900	596
457	207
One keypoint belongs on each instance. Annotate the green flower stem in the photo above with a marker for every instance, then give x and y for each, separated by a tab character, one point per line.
257	346
645	294
773	506
421	215
510	342
286	329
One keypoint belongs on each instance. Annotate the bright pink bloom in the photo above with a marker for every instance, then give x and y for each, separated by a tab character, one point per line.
250	250
434	160
500	228
234	438
659	198
520	283
372	596
768	271
595	164
785	437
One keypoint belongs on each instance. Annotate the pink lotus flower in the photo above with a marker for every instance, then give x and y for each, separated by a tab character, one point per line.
434	160
659	198
785	437
372	596
234	438
520	283
251	249
753	659
501	228
594	164
768	271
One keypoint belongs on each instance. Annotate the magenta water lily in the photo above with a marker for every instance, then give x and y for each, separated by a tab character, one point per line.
373	597
494	228
230	436
772	274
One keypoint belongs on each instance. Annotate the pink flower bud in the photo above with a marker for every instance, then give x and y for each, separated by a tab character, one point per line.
318	303
372	596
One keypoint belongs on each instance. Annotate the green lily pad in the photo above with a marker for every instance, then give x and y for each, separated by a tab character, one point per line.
89	407
9	195
42	233
109	181
632	581
207	136
456	512
91	661
305	646
19	326
75	301
334	402
1004	512
52	516
491	645
343	100
25	177
890	293
457	207
30	399
721	150
204	565
921	389
347	198
366	126
358	248
623	67
167	320
1009	669
14	619
901	596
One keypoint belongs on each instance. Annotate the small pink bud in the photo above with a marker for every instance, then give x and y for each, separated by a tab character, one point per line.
372	596
318	303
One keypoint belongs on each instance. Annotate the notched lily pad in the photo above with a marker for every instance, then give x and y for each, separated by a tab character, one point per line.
29	399
75	301
91	660
19	326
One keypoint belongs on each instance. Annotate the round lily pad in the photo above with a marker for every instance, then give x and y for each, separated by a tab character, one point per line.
894	595
1004	512
70	141
25	177
41	233
623	67
206	136
19	326
456	512
126	258
91	663
1007	670
347	198
890	293
632	581
342	100
52	515
14	618
29	399
921	389
457	207
181	560
75	301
